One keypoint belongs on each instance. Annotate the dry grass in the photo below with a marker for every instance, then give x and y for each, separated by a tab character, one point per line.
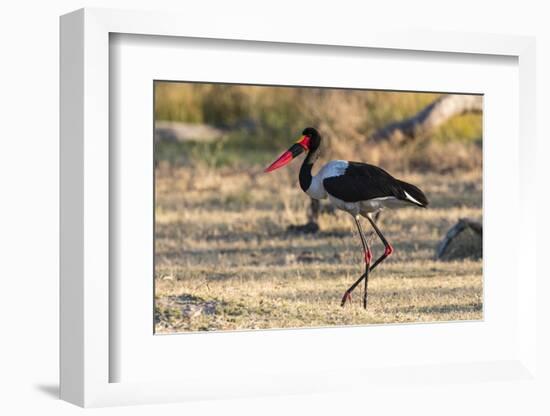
224	260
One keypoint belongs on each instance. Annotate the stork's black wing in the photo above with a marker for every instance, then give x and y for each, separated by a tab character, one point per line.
361	182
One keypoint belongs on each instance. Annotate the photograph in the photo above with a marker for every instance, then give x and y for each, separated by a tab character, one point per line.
279	207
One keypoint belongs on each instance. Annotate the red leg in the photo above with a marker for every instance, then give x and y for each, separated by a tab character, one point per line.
346	298
388	250
368	258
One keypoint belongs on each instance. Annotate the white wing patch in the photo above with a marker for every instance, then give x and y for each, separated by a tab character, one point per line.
410	198
333	168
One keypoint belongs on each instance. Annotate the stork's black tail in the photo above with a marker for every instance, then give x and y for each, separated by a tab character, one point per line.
413	194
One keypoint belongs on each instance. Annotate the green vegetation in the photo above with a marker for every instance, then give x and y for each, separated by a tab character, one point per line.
221	153
263	120
463	128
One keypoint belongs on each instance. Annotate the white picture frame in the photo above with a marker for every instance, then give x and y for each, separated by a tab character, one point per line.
87	356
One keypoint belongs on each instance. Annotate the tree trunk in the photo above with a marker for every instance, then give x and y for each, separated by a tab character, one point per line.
430	117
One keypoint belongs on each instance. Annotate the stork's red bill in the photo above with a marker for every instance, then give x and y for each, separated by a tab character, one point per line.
295	150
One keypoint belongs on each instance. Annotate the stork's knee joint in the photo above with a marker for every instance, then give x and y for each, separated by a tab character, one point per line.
388	251
368	256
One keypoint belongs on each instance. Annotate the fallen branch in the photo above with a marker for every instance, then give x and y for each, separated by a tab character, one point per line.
430	117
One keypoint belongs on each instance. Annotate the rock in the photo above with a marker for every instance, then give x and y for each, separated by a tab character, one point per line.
463	240
191	311
172	131
190	306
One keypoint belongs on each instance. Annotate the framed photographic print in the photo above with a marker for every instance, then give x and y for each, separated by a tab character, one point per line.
239	212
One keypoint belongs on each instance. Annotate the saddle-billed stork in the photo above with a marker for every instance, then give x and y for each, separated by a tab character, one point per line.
357	188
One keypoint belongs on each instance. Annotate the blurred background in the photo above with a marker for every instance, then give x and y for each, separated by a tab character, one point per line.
230	125
239	249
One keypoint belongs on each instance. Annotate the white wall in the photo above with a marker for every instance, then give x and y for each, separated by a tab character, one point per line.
29	171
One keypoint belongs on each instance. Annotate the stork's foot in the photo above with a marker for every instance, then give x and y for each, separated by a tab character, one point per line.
346	298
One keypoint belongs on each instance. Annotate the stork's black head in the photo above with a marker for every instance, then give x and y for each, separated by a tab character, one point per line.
314	138
309	141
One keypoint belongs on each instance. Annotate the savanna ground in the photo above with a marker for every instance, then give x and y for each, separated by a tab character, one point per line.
224	258
225	261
